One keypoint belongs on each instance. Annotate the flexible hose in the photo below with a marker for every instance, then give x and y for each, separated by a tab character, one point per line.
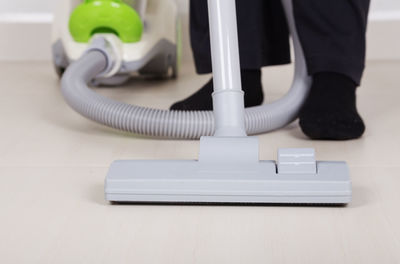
177	124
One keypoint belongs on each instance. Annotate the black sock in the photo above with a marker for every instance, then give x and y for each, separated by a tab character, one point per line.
201	100
330	110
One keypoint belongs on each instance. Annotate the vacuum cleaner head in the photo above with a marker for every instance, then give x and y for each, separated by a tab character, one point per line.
229	172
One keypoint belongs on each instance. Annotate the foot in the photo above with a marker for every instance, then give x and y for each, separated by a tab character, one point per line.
202	100
330	111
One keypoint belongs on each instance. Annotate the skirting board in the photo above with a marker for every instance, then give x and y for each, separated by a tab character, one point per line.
28	37
25	37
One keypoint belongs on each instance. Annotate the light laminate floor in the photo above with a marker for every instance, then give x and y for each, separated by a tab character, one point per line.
53	163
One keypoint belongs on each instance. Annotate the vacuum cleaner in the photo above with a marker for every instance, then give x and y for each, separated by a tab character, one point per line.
109	41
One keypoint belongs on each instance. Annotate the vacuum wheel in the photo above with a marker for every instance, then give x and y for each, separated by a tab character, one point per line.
59	70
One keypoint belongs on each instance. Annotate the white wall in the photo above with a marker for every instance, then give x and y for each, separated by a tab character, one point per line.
17	6
385	5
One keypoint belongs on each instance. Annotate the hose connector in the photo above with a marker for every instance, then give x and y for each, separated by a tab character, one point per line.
111	47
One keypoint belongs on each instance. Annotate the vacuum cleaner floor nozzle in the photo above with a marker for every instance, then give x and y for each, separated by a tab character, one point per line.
196	182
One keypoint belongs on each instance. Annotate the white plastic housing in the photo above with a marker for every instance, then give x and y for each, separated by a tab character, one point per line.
160	24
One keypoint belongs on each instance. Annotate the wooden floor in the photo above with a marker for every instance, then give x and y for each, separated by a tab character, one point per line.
53	164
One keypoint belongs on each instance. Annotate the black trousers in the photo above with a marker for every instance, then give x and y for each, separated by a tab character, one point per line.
332	33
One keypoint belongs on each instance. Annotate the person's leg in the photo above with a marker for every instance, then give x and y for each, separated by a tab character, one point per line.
263	40
332	34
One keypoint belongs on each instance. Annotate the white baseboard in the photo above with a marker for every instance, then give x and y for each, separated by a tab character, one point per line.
27	37
383	36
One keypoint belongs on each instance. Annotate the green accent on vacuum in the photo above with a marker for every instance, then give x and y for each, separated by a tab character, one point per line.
105	16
